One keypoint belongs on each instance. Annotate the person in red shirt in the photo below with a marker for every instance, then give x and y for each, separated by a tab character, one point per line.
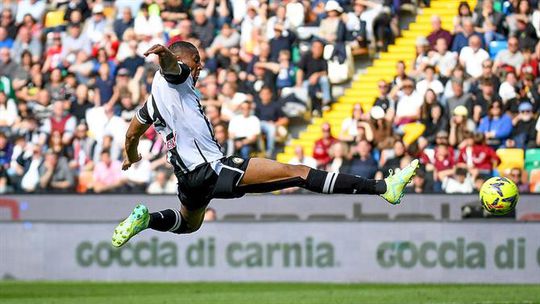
529	65
322	146
477	156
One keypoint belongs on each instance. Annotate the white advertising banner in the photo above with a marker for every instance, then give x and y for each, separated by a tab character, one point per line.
319	252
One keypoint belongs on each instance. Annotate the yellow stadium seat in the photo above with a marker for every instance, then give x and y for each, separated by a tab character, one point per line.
510	158
54	18
412	132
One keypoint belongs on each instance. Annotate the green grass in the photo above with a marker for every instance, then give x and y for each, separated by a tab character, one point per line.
260	293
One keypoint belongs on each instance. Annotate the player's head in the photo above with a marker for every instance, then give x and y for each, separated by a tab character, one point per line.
189	55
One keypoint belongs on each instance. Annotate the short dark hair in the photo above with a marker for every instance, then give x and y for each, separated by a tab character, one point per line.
183	46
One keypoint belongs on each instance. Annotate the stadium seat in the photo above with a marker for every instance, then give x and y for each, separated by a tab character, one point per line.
532	159
510	158
412	132
496	46
54	18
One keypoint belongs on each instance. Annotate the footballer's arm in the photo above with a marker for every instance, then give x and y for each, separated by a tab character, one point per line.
135	131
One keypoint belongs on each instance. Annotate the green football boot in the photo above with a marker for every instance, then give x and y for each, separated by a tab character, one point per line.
136	222
396	182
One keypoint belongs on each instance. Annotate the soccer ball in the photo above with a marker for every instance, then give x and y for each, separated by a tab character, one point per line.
499	195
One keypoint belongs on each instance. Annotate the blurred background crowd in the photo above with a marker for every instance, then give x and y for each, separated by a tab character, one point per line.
72	76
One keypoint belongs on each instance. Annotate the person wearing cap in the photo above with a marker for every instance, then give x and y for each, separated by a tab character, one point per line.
524	132
459	125
496	125
472	56
330	26
96	25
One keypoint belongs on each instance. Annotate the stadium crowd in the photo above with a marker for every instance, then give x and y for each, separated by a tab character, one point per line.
72	76
471	90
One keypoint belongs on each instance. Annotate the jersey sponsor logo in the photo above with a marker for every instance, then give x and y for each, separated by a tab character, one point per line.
171	141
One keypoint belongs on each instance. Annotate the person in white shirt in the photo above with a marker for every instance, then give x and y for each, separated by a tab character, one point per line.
301	159
472	56
295	13
460	182
146	25
245	129
96	25
161	184
408	104
429	82
138	176
442	58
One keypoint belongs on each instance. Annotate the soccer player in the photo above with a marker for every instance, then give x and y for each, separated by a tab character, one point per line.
174	109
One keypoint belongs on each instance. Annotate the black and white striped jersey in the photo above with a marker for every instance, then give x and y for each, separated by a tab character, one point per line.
176	113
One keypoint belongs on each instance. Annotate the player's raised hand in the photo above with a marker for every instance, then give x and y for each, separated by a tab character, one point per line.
157	49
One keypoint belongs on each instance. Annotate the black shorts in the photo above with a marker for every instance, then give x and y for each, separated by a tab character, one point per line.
197	188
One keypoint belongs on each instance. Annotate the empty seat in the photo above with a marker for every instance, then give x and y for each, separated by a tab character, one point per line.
532	159
414	217
510	158
239	217
496	46
279	217
54	18
327	217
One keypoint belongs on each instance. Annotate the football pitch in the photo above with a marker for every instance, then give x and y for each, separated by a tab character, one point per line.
260	293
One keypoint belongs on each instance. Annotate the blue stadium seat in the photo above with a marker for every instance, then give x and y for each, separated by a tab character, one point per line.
496	46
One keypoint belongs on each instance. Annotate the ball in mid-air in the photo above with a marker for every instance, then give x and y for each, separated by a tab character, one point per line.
499	195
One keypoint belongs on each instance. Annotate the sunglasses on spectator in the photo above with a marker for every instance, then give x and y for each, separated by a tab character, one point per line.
525	111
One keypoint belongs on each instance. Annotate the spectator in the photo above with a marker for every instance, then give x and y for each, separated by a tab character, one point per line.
391	159
435	122
245	130
459	98
137	177
8	112
516	175
488	74
349	125
226	39
477	157
422	56
460	182
203	28
122	24
312	74
381	126
338	153
162	184
438	32
420	183
108	174
73	42
271	117
441	163
82	147
322	146
530	92
383	100
408	103
55	175
301	159
61	122
507	90
280	42
226	145
496	126
442	58
8	66
8	22
487	13
463	38
464	12
362	162
472	56
29	165
429	82
529	65
460	125
511	56
523	132
401	74
104	86
36	8
331	27
96	25
526	34
5	40
478	107
279	18
147	26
